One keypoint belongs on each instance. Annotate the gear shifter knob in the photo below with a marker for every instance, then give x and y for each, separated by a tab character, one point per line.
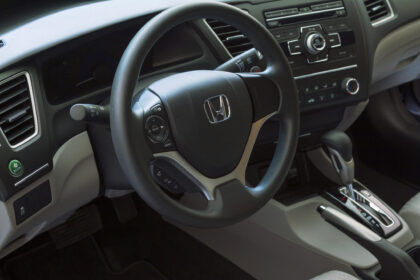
340	142
340	148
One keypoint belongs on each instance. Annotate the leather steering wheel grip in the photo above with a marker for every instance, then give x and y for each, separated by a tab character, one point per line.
232	202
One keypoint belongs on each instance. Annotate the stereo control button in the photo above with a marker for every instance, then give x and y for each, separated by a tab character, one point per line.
157	129
315	42
351	86
295	47
334	40
321	57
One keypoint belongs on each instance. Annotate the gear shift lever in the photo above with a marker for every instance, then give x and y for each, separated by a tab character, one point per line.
340	148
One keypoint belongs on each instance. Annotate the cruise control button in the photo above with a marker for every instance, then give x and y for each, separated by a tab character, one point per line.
15	168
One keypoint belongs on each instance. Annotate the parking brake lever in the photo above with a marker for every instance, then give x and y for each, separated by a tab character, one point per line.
395	262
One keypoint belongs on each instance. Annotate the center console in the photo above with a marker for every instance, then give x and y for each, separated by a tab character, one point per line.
351	196
325	46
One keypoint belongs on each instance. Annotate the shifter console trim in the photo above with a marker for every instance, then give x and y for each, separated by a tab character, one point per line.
384	222
359	195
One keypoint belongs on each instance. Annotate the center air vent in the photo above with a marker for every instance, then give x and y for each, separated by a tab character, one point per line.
17	114
378	10
233	39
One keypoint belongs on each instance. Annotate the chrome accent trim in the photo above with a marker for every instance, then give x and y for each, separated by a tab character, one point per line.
385	19
347	83
317	61
339	40
325	72
31	175
34	109
288	46
222	111
305	14
342	191
307	26
309	43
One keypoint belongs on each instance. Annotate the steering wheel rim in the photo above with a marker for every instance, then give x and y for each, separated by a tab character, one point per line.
232	202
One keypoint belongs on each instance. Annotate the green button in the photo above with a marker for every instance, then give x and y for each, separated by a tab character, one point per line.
15	168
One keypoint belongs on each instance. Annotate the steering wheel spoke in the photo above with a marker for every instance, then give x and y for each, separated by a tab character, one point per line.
264	92
186	178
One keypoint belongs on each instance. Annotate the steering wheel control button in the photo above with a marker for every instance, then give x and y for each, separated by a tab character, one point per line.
15	168
157	129
157	109
315	42
165	181
351	86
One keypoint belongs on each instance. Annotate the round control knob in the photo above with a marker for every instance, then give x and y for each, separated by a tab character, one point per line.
315	43
350	86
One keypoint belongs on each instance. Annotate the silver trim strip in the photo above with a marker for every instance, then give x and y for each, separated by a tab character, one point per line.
290	51
305	14
339	40
34	109
31	175
385	19
325	72
209	185
317	61
308	26
368	211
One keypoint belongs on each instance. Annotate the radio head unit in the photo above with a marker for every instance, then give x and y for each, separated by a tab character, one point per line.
324	46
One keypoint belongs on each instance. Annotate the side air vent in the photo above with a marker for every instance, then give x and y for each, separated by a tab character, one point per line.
378	10
17	114
233	39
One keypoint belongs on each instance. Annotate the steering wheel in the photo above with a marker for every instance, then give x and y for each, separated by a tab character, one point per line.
195	131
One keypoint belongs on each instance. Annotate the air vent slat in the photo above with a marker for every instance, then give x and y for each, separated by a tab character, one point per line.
8	97
377	9
8	86
233	39
17	119
18	133
14	125
13	104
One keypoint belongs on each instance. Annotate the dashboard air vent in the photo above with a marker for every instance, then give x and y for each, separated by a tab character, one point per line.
377	10
17	114
233	39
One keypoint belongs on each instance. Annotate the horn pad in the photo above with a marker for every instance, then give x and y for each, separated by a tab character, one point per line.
210	114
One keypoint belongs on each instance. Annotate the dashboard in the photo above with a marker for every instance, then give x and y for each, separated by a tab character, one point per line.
51	164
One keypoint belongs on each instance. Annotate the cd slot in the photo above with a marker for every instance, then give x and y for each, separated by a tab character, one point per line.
307	17
280	17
